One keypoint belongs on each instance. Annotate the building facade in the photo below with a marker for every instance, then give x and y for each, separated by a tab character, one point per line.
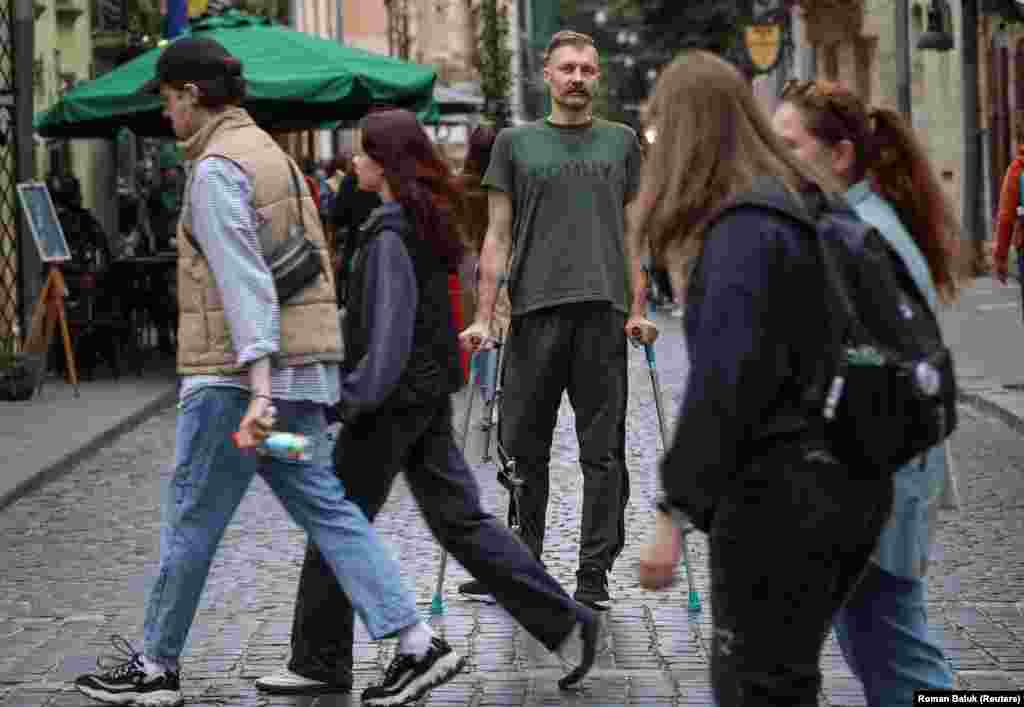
857	43
63	57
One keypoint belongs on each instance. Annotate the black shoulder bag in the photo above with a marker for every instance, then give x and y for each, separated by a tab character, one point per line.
294	263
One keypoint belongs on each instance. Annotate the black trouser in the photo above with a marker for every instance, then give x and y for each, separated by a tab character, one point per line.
789	542
663	283
368	456
579	348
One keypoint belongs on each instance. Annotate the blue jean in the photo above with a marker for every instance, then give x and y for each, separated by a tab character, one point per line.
883	633
210	478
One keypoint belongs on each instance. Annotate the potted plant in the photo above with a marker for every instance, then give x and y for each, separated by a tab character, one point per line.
18	370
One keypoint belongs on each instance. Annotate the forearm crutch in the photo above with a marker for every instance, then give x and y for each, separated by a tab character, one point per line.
437	605
508	473
693	602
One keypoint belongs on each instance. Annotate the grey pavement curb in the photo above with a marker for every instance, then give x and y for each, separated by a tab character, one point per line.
64	464
983	404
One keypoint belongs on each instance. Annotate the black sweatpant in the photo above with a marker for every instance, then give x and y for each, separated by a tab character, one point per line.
789	541
368	456
579	348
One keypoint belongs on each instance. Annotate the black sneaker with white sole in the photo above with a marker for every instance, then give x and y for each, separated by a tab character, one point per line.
592	589
409	678
131	682
475	590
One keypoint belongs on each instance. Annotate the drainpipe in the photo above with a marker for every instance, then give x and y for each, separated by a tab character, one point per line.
972	180
903	59
29	263
339	35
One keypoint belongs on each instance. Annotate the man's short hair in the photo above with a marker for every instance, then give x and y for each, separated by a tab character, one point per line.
568	37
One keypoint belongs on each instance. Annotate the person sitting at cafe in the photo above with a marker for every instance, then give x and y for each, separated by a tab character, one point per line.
164	204
88	243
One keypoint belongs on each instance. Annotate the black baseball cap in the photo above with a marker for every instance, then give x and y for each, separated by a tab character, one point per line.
193	59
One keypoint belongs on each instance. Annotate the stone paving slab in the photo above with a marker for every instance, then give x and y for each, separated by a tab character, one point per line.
79	555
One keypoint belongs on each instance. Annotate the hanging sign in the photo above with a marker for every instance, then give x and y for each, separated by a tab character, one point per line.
763	43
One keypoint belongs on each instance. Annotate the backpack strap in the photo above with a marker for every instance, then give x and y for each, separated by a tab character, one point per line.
768	193
264	242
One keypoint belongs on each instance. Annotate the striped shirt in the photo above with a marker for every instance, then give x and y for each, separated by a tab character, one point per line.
225	224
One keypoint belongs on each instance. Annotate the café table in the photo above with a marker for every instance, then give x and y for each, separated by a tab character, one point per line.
145	284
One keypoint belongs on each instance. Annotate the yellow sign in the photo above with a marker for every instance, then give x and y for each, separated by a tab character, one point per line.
764	45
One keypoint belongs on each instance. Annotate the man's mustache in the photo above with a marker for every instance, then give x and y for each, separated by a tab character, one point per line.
579	89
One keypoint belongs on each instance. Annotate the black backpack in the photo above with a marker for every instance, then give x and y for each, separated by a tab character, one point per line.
887	391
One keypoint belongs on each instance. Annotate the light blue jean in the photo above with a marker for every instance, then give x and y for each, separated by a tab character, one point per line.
210	478
883	633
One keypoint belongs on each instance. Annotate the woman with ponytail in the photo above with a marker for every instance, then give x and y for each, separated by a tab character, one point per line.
401	367
883	627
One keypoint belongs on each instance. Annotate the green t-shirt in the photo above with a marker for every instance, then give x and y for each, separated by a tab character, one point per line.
569	187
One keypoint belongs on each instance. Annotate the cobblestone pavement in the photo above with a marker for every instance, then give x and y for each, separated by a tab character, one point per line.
79	554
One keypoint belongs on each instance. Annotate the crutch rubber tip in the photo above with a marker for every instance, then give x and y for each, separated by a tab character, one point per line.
437	606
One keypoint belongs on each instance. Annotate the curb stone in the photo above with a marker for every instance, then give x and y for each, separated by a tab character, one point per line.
984	405
68	461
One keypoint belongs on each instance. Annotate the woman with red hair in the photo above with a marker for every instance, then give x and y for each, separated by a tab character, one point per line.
401	367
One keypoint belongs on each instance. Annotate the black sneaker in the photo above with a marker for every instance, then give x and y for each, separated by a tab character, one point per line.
407	678
131	682
590	629
592	589
476	591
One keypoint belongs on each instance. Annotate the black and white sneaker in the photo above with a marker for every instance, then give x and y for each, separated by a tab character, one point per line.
288	682
592	588
475	590
409	678
134	681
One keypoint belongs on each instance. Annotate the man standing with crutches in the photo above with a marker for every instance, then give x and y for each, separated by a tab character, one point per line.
559	193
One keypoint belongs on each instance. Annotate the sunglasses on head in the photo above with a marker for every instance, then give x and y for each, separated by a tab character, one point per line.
819	96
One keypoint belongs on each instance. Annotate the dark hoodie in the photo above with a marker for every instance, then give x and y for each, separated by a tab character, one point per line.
400	339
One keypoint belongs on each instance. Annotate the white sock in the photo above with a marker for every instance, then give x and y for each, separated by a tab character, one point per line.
155	667
571	649
415	640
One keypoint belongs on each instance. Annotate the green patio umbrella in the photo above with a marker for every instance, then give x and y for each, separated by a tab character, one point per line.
296	81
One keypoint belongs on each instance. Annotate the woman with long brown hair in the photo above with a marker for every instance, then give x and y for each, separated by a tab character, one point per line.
790	526
891	184
401	367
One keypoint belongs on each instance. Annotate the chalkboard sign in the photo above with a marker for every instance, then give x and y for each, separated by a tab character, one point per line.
42	220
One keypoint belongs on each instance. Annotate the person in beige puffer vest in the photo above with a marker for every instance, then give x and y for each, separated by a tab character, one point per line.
250	363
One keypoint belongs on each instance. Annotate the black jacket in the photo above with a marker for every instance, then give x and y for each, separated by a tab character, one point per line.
419	360
756	333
